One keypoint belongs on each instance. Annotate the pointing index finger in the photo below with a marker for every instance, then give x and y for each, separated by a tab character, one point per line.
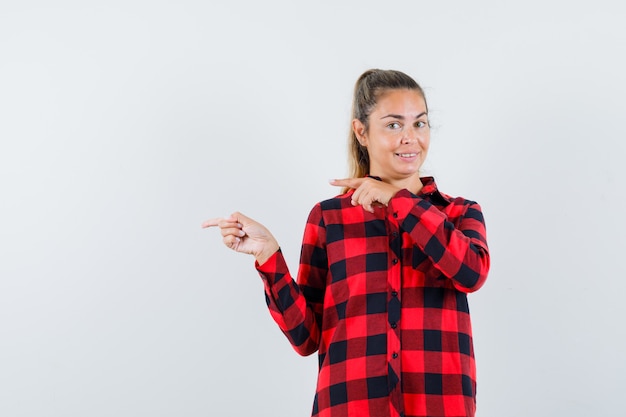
215	221
347	182
211	222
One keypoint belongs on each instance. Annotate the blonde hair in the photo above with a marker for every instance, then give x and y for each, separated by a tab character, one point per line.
367	90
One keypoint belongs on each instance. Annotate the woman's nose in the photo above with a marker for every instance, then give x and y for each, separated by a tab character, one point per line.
409	136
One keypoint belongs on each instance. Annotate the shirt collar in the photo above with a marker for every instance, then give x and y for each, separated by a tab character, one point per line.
429	188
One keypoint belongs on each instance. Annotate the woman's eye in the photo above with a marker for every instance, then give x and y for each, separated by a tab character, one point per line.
394	125
420	124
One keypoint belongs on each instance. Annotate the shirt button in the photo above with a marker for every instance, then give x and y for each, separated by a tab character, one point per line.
395	355
395	215
394	325
395	261
394	293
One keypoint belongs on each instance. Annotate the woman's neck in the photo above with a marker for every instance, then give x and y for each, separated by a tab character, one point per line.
412	183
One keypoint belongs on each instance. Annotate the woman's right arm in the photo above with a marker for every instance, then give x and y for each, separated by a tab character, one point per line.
296	307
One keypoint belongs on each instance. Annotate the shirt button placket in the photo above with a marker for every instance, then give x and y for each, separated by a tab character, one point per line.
394	318
394	305
395	377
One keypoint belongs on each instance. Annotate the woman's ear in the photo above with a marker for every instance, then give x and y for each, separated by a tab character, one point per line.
359	131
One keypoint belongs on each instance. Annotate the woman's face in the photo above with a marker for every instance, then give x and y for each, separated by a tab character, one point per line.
398	136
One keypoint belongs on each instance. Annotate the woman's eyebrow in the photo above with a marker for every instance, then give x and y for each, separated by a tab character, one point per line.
399	116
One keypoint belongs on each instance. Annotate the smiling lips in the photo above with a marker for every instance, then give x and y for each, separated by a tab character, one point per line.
406	155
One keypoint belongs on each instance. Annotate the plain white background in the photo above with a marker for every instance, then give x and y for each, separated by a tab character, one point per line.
125	124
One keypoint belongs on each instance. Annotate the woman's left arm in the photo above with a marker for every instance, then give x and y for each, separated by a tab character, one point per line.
459	251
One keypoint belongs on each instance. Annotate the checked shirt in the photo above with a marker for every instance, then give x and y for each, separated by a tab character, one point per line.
382	298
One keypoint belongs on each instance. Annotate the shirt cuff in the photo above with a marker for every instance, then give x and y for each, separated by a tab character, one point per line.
274	268
408	209
402	203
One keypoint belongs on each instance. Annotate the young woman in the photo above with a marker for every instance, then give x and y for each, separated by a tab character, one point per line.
384	271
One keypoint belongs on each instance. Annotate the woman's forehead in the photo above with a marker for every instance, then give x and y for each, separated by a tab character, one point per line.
400	101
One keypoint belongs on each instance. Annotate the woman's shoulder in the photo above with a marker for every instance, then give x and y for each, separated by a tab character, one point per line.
331	208
337	202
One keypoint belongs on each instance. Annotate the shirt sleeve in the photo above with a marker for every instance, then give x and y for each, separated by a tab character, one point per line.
297	307
459	251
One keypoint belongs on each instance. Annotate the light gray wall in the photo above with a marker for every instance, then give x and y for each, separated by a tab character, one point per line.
125	124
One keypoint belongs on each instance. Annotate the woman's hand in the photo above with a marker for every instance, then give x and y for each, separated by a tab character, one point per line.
242	234
368	191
